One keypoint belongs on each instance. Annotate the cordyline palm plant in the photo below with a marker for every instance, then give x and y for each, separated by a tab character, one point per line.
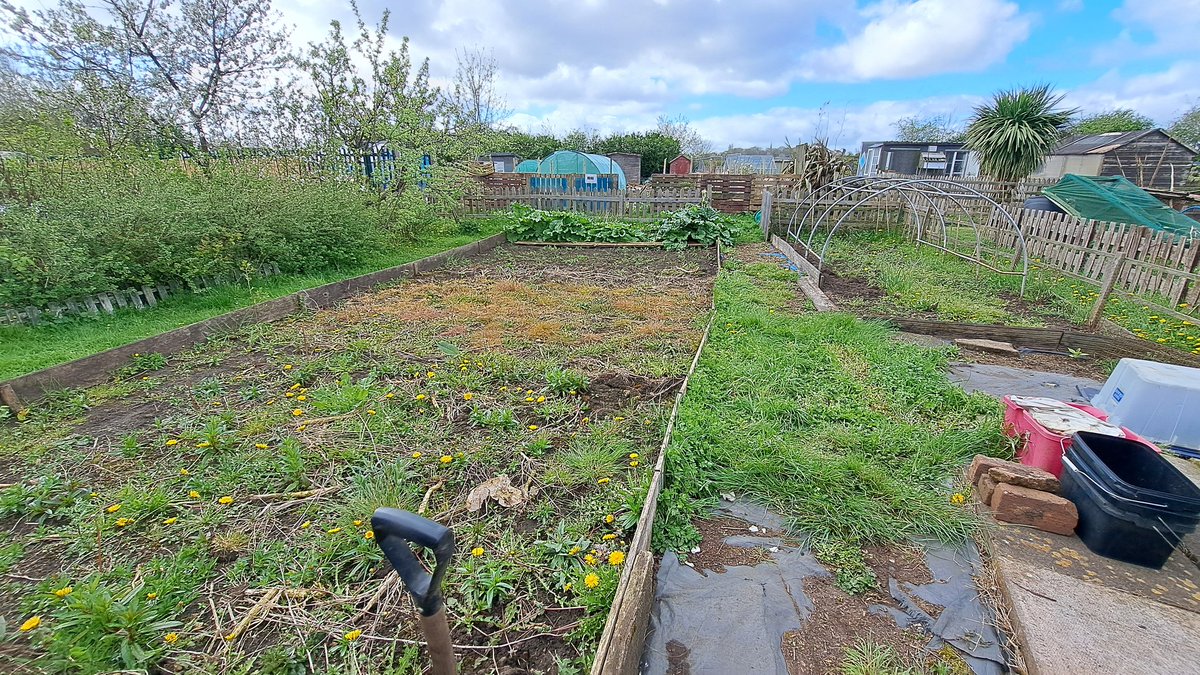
1016	130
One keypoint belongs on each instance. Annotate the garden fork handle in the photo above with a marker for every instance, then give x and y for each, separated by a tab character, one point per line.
437	638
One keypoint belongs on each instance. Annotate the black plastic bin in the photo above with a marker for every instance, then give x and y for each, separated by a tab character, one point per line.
1133	505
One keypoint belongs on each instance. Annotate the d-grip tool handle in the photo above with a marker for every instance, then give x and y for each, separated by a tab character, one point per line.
394	531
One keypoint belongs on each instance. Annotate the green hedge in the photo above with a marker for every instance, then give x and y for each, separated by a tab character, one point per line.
117	226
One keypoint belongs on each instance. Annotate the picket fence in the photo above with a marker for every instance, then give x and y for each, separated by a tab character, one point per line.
108	302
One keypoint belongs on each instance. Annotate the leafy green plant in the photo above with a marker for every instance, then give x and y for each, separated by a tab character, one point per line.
565	382
494	418
701	224
1015	131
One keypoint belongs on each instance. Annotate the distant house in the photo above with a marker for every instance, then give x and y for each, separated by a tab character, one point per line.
917	159
502	162
1149	159
680	166
762	164
631	164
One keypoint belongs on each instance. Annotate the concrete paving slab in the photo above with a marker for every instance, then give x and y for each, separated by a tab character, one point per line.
1069	626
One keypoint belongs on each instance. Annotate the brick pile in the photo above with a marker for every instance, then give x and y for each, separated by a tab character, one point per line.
1023	495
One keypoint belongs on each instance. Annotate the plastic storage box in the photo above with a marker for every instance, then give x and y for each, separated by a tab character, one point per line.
1044	448
1133	505
1159	401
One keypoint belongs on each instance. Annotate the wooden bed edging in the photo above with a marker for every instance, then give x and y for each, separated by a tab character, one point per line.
619	651
1100	346
95	369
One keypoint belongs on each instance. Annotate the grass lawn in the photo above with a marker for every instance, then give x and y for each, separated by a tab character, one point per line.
852	435
150	516
25	349
925	282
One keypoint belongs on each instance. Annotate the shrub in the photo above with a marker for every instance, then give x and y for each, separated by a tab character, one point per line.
116	226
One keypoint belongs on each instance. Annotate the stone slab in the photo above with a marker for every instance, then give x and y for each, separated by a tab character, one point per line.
1069	626
988	346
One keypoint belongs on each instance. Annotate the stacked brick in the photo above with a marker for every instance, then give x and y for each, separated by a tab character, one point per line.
1022	495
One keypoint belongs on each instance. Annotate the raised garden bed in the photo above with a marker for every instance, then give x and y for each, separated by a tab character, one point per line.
215	506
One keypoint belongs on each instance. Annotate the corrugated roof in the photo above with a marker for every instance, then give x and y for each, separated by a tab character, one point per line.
1098	144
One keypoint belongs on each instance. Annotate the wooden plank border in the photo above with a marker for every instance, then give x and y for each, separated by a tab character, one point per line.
95	369
619	650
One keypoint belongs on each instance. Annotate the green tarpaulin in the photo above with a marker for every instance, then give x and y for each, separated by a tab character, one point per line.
1115	199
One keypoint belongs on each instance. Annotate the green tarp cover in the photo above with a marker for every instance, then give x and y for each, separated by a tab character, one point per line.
1115	199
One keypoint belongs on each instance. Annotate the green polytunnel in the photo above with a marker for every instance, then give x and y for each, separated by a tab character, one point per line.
527	166
1116	200
572	162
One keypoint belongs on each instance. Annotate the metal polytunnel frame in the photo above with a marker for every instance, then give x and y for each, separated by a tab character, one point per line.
928	189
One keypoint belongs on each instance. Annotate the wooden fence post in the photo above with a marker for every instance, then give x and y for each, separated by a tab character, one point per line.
766	215
1110	278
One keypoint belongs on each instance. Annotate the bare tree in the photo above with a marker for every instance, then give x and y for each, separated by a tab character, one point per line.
691	142
474	93
191	63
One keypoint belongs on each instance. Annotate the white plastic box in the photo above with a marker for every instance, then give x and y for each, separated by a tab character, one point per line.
1159	401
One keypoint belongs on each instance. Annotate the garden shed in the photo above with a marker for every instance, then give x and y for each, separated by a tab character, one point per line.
1150	158
681	165
573	162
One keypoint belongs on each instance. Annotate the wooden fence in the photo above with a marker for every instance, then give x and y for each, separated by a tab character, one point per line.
1160	267
574	193
147	296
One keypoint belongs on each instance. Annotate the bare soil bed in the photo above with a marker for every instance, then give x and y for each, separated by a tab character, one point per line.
212	508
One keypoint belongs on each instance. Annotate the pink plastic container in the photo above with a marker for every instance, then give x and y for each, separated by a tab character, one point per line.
1043	448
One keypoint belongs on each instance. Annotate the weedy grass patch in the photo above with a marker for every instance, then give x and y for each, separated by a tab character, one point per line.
850	434
210	512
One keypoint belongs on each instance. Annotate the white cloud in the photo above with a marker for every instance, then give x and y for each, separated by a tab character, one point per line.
843	127
1067	6
1161	95
1152	28
915	39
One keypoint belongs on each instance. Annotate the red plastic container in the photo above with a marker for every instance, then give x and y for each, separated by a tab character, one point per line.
1043	448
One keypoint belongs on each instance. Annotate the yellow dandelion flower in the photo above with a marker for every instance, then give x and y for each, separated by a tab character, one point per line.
302	427
171	638
63	592
468	396
533	427
353	635
616	558
297	412
193	494
287	366
416	455
567	587
172	441
431	374
589	559
592	580
477	552
333	530
152	596
574	550
957	498
306	524
633	463
369	534
618	418
203	444
226	500
290	394
586	420
114	508
184	472
609	537
603	481
420	397
446	459
294	386
370	412
261	446
171	521
31	623
122	522
541	399
301	398
389	395
609	518
529	399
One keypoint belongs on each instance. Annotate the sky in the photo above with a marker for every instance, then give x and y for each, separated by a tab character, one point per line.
772	72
